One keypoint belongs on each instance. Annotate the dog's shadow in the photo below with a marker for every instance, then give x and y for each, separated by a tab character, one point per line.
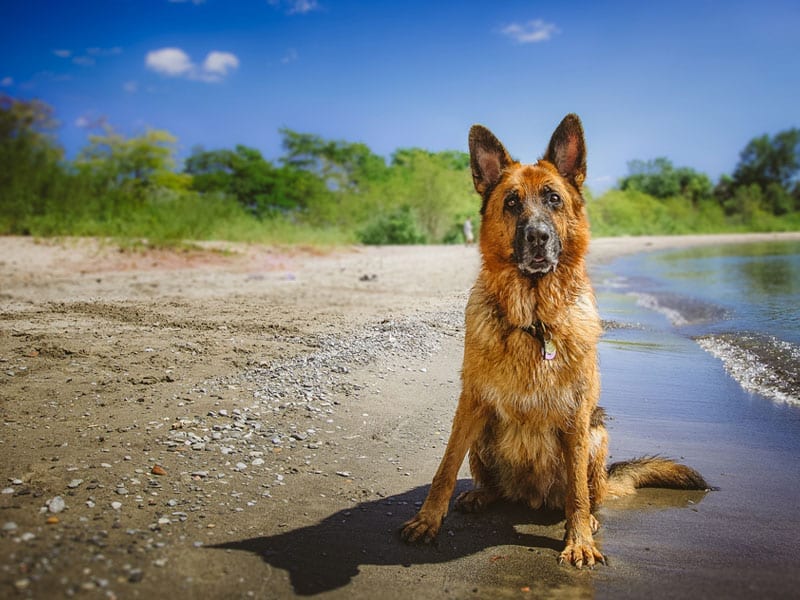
327	555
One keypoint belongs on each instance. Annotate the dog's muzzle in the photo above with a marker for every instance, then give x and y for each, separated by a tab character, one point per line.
537	246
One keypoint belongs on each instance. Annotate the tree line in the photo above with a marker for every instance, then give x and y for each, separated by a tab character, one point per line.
322	190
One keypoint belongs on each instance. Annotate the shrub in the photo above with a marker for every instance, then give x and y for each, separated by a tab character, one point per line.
397	227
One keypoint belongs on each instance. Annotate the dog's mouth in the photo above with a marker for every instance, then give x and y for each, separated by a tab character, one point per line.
537	264
537	249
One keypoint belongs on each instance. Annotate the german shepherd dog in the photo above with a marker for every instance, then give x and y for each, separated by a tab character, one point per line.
528	410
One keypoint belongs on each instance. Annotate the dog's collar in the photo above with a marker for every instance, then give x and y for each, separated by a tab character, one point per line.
539	331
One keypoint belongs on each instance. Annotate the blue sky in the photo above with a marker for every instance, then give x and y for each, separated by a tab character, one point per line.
690	80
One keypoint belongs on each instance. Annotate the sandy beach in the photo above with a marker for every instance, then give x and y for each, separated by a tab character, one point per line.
241	421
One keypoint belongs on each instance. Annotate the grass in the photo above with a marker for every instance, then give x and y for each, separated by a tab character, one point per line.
631	212
170	219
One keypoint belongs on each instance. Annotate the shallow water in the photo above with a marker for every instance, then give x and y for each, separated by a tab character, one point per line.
699	362
740	303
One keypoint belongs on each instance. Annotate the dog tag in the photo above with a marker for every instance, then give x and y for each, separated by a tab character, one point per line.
549	350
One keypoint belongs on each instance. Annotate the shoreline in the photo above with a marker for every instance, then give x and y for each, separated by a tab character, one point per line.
603	250
298	404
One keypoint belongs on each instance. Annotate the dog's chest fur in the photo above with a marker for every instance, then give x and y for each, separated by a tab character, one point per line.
530	400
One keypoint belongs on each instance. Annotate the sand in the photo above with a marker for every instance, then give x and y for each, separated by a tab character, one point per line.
246	421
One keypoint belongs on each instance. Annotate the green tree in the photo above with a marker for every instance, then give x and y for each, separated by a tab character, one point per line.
766	180
254	182
767	160
344	166
31	175
773	164
131	167
436	185
660	179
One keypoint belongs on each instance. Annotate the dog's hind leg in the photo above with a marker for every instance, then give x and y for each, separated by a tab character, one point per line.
598	452
476	500
485	492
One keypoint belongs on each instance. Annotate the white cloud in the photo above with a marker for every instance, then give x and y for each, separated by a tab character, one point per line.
104	51
296	7
303	6
531	32
6	82
171	62
84	61
90	120
89	58
290	56
219	63
174	62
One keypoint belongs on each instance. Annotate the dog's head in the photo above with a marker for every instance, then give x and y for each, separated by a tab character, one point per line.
533	214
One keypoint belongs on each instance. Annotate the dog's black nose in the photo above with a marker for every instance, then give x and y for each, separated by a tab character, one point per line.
537	234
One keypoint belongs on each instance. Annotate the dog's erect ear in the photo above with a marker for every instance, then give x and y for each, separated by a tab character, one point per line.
487	158
567	150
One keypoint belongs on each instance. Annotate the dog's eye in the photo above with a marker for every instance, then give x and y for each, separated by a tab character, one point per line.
512	201
554	199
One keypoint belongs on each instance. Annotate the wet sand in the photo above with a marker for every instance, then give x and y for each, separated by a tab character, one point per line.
343	367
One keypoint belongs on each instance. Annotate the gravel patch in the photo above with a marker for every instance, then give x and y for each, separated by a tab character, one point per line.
266	424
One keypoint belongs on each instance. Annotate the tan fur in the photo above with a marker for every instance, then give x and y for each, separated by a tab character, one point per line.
531	425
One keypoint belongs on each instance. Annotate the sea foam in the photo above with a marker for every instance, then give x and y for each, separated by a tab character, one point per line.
761	364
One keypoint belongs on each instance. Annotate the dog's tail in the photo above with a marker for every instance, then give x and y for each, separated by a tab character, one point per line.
652	471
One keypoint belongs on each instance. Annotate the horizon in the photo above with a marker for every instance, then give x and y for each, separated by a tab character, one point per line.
692	82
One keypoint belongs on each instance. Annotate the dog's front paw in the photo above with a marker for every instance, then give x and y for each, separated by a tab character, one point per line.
422	528
581	552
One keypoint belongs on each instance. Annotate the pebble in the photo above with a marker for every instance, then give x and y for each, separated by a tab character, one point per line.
56	505
116	505
135	575
8	490
74	483
9	526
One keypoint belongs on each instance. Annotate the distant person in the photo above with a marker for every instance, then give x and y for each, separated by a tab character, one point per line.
469	238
